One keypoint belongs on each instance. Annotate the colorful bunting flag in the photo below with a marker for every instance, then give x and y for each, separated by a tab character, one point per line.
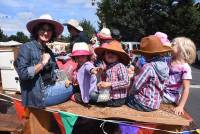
68	121
59	121
128	129
21	111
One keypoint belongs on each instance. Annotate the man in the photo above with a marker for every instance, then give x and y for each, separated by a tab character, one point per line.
76	32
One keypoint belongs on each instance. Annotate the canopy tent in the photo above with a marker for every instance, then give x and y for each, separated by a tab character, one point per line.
10	43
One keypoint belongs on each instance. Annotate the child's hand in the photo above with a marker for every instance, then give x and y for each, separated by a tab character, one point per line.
131	71
68	83
96	70
104	85
179	110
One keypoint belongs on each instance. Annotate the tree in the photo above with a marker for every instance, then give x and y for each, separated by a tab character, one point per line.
20	37
3	37
88	28
64	39
138	18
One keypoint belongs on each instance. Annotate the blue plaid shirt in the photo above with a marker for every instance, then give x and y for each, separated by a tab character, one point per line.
31	83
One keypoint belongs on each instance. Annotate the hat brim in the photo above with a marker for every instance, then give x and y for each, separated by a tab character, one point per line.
103	37
123	56
165	50
80	53
58	27
79	28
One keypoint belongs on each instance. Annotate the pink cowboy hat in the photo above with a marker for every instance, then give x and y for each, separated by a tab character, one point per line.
46	18
104	34
80	49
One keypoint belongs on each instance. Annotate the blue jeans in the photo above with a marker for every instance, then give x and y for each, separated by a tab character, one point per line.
57	93
137	106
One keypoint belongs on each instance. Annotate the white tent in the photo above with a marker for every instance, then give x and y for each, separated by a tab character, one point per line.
10	43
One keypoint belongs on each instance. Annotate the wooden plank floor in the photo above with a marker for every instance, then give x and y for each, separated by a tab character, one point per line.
162	116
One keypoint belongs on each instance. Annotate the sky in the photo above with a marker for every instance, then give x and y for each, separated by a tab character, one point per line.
14	14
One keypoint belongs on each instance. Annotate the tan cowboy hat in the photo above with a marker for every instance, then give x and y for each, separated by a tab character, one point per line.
114	46
74	23
152	45
45	18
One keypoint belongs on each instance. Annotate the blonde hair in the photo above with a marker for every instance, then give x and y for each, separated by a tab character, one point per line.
187	49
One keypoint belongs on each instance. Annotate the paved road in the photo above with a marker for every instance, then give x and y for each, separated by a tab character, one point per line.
193	104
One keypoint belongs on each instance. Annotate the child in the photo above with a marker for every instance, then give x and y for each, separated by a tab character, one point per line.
85	77
177	91
147	89
116	78
165	41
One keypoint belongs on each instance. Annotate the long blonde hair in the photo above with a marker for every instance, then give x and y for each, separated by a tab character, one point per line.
187	49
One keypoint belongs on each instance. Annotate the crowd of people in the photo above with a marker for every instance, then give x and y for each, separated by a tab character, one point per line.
106	74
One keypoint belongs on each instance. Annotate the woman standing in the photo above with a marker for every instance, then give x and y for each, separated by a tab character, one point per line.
36	66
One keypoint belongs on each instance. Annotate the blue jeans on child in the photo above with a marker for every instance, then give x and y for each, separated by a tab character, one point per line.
57	93
137	106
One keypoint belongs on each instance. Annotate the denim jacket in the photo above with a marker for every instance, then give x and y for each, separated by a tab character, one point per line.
32	88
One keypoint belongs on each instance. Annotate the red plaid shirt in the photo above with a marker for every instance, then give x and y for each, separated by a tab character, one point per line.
147	88
117	74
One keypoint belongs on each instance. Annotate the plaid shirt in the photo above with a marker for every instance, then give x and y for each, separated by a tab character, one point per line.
147	88
117	74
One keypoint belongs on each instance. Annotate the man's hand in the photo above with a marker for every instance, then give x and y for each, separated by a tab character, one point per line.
104	85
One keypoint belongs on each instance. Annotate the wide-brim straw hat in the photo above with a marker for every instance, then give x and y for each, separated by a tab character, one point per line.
74	23
104	34
114	46
152	45
80	49
46	18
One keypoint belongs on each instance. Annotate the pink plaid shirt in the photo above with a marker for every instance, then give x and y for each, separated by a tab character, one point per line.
117	74
147	87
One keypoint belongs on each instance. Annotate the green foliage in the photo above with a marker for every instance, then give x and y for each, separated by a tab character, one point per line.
3	37
20	37
64	39
138	18
89	30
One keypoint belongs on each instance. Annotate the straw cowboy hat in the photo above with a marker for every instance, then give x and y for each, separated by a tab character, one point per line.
104	34
152	45
45	18
114	46
80	49
74	23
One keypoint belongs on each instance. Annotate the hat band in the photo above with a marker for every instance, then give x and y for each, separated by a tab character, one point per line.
104	36
80	52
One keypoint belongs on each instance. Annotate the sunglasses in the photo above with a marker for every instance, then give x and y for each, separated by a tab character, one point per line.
69	28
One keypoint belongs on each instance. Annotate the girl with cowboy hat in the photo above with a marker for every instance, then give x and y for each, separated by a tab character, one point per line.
85	75
147	88
115	77
36	65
